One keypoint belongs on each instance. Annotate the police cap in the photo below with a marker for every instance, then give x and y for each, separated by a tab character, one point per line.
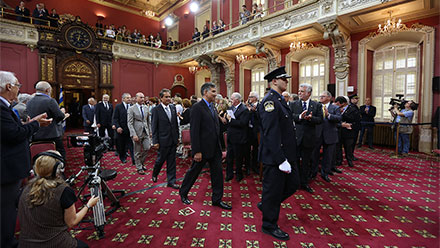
279	72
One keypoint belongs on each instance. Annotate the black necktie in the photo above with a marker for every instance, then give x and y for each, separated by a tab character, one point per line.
142	112
211	107
304	106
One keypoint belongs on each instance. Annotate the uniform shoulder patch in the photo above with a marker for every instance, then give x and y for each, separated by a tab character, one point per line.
269	106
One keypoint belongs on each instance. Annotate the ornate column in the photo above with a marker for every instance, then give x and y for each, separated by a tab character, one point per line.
213	66
273	54
342	46
229	67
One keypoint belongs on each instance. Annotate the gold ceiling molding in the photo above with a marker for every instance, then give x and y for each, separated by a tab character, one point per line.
159	16
119	7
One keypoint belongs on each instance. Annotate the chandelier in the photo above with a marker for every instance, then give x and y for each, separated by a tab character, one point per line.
193	69
148	13
298	45
391	26
243	58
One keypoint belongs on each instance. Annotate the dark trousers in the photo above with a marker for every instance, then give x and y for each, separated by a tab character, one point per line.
316	155
125	144
109	132
9	198
215	168
235	153
369	129
81	244
355	139
166	153
89	129
327	159
251	155
277	187
348	143
305	165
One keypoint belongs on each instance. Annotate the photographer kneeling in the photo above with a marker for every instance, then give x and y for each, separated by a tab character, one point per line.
405	116
47	207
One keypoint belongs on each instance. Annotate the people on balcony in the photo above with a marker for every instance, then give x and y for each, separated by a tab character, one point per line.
221	25
245	15
40	13
110	32
99	28
205	32
170	44
196	35
215	28
22	12
158	41
54	18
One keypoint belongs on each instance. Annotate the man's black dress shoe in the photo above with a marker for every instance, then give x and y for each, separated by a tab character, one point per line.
260	206
336	170
372	148
173	185
239	177
350	163
154	179
141	172
326	178
359	146
222	205
355	159
330	173
185	200
276	233
124	161
307	188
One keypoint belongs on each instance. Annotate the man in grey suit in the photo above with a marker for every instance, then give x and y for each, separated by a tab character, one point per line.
139	126
43	103
326	136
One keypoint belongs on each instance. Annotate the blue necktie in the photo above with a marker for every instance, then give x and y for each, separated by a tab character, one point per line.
211	107
142	112
304	106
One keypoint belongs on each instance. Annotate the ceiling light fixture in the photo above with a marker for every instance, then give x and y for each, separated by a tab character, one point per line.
298	45
391	26
241	58
169	21
194	6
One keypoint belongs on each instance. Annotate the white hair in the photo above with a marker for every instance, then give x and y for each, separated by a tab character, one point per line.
42	86
24	97
219	96
126	95
6	78
255	94
105	95
236	95
309	87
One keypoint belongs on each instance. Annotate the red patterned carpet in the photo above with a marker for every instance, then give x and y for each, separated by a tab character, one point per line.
381	202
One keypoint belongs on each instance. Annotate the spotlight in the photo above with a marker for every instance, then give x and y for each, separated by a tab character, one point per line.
169	21
194	6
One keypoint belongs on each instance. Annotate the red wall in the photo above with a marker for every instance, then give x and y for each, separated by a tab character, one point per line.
247	83
88	10
133	76
20	60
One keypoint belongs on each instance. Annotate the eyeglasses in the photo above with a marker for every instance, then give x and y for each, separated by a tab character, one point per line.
322	96
17	85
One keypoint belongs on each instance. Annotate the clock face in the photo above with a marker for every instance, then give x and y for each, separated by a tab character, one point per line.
79	38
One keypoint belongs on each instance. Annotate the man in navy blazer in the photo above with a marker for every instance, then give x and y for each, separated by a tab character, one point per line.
15	159
88	114
119	121
165	137
205	147
307	114
368	112
237	130
326	136
103	113
43	103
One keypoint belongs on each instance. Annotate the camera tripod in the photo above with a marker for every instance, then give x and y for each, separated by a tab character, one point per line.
96	182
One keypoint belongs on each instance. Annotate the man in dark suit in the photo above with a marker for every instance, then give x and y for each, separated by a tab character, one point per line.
119	121
40	15
103	113
307	114
277	153
22	12
327	137
251	154
356	125
165	137
205	147
347	134
368	112
237	137
43	103
88	114
15	159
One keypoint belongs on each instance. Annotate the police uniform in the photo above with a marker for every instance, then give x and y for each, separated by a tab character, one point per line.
277	144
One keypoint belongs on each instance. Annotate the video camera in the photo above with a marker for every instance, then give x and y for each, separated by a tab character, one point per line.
94	147
400	101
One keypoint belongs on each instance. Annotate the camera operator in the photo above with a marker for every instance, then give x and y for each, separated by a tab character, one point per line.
404	116
47	207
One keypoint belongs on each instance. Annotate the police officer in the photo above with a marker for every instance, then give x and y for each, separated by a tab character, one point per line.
277	152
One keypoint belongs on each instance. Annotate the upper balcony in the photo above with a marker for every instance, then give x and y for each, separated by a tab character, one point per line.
278	28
